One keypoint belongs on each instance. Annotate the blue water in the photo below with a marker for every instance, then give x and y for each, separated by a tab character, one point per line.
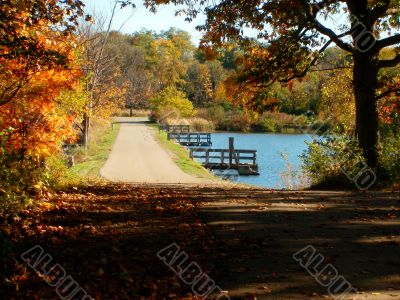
270	148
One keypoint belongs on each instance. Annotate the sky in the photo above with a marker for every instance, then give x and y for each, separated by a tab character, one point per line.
141	18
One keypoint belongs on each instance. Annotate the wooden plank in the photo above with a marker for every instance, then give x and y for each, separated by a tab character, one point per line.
224	157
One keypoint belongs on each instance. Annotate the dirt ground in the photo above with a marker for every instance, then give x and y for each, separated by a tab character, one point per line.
258	232
107	238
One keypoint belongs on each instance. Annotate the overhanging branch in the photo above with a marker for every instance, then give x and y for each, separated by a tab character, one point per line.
389	41
380	11
329	69
390	63
325	30
387	93
313	62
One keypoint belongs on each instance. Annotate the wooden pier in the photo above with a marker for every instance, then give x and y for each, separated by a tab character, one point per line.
175	128
244	161
198	139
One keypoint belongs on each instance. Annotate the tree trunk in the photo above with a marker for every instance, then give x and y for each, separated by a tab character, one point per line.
365	76
85	132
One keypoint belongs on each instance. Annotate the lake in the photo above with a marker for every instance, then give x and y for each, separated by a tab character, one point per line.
270	148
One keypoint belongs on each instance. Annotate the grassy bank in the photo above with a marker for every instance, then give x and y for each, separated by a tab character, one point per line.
92	160
181	156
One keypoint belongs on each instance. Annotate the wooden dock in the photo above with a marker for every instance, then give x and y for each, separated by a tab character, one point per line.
244	161
175	128
198	139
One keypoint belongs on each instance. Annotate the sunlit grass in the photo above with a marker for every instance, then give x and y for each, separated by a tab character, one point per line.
181	157
94	158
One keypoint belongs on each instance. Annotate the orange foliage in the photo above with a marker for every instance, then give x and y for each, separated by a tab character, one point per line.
389	110
33	121
248	97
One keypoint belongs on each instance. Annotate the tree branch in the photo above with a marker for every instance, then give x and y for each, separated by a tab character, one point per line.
313	62
329	69
379	11
389	63
389	41
387	93
326	31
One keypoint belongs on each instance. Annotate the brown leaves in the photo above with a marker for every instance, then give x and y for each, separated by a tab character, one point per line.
107	238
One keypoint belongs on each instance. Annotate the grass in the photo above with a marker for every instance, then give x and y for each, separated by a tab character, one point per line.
181	156
96	155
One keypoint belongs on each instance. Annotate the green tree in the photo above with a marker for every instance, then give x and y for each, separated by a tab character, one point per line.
170	100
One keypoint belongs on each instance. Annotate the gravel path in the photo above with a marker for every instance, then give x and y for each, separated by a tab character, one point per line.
137	157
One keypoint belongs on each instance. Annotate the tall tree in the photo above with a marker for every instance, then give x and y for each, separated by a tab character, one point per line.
101	71
198	87
295	33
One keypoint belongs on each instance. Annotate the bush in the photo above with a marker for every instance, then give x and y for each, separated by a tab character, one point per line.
237	121
336	161
390	159
333	161
23	177
170	101
200	124
282	122
227	118
267	125
20	178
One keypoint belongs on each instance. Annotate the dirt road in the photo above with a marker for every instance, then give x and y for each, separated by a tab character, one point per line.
137	157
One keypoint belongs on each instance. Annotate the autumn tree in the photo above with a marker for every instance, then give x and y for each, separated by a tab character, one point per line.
38	63
199	87
294	33
337	100
104	86
22	41
171	102
131	60
168	58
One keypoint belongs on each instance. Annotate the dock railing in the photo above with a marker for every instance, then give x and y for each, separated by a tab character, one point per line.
191	139
224	158
175	128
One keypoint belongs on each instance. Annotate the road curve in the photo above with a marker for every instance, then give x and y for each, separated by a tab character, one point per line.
137	157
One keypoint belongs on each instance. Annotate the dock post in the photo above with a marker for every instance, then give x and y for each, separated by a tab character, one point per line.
231	149
207	157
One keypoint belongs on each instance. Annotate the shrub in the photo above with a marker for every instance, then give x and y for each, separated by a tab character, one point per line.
20	178
23	176
390	158
228	119
336	161
267	125
237	121
170	100
333	161
200	124
282	122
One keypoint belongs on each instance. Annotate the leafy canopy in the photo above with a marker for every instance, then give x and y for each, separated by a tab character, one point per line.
291	34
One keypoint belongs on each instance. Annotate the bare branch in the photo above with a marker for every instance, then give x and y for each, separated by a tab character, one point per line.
313	62
329	69
387	93
327	31
389	41
390	62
